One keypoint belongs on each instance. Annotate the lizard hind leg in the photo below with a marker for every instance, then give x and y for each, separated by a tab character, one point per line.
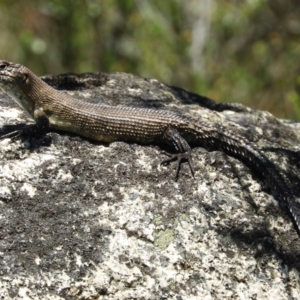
174	139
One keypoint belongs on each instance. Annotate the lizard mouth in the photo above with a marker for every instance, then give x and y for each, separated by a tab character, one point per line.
6	75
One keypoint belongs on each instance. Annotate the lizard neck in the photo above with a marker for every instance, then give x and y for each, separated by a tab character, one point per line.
33	91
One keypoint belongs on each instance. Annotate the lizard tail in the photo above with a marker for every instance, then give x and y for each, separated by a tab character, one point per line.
237	146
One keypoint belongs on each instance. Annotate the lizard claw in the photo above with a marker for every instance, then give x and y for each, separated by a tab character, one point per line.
30	130
12	135
179	157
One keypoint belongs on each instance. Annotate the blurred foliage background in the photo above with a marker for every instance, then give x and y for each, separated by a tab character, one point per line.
243	51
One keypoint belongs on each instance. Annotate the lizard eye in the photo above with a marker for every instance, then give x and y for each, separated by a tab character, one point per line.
2	67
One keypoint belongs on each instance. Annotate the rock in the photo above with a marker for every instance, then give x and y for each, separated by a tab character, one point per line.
86	220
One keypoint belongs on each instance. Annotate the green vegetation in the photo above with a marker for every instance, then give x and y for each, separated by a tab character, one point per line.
234	51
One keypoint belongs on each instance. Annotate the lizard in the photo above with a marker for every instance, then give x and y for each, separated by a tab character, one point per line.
53	109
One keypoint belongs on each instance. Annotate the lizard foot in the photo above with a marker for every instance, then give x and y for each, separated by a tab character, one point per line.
12	135
28	130
179	157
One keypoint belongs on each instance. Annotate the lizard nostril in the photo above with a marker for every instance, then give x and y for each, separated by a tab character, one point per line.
2	67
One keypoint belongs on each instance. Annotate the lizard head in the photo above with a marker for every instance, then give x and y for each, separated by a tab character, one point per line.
12	74
15	80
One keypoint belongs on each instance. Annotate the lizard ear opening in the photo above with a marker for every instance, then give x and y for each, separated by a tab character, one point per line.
25	78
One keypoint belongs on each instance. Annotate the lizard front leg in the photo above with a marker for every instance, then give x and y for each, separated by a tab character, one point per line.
41	126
